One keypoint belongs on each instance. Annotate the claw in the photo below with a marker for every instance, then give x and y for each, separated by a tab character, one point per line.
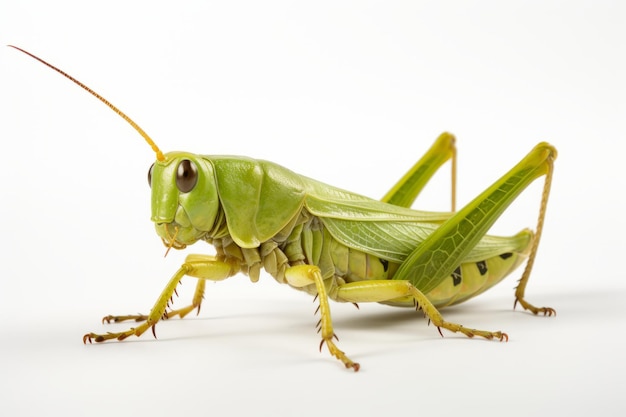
546	311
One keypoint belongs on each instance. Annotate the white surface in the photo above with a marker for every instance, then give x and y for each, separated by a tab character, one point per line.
350	93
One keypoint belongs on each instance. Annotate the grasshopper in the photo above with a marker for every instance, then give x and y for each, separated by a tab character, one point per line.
332	243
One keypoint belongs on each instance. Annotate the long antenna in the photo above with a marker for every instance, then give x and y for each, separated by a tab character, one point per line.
155	148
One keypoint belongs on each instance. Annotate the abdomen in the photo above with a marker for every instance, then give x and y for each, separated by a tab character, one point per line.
467	281
340	263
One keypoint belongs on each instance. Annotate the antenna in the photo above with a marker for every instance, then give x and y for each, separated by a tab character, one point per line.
155	148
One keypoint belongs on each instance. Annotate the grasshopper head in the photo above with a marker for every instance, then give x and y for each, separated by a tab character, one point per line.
184	198
184	192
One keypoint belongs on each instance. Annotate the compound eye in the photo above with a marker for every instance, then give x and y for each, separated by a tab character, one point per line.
186	176
150	175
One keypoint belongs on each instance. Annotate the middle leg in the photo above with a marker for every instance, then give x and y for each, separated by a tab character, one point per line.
304	275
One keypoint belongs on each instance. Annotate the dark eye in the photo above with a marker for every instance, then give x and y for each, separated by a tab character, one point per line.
150	175
186	176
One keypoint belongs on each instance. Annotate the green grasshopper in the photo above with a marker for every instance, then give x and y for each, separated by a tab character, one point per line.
332	243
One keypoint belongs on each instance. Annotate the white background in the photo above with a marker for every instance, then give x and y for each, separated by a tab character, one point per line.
350	93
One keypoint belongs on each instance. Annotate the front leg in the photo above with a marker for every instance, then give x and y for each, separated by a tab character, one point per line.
196	302
197	266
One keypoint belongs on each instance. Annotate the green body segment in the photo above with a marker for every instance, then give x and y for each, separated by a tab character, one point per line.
265	215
